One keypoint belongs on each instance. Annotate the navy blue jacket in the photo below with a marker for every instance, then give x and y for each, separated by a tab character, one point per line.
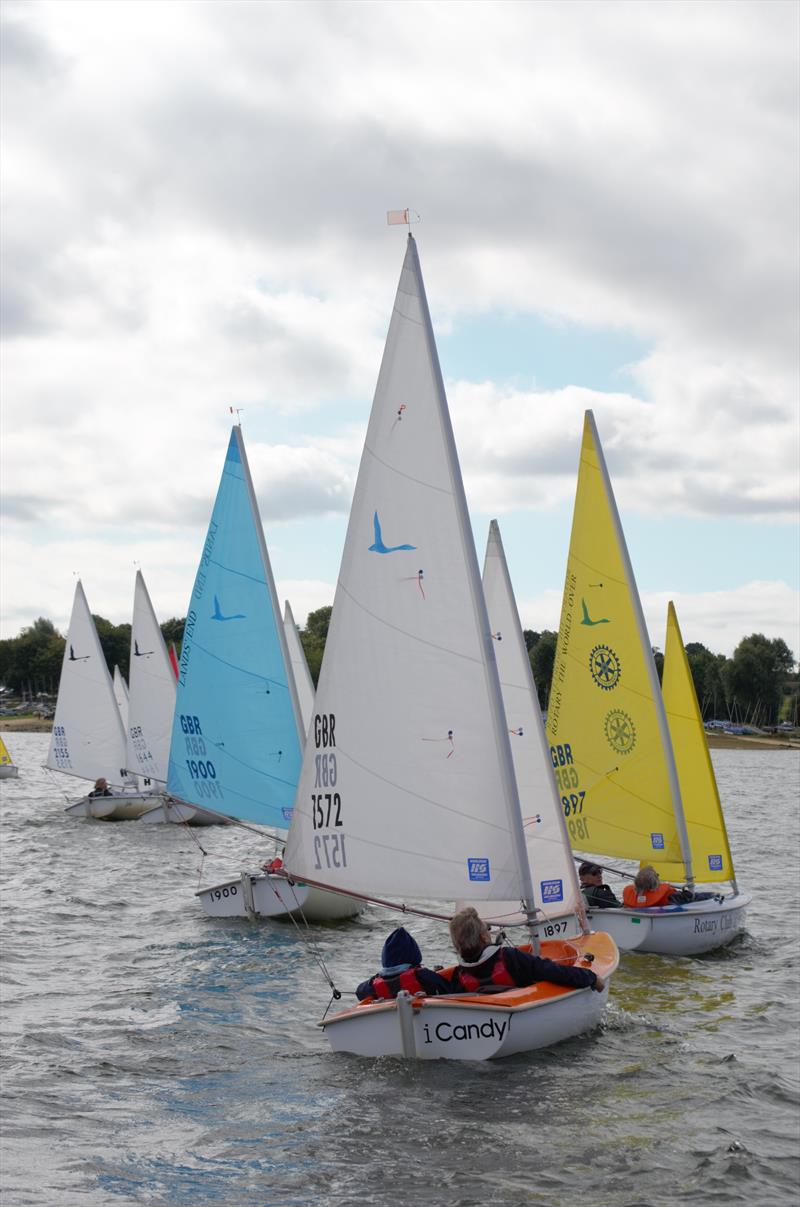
524	969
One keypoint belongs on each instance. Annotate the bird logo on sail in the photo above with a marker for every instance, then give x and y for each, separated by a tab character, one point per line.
379	546
73	657
217	614
137	653
587	618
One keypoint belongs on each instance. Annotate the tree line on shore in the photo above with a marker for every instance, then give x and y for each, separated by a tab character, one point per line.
757	685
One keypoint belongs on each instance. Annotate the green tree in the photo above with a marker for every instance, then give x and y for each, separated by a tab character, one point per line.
542	656
115	642
755	678
31	662
313	638
172	630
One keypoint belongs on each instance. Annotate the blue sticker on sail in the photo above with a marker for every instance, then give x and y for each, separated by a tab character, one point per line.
552	890
715	863
287	814
478	869
657	842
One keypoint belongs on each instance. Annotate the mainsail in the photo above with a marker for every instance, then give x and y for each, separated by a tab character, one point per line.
705	822
407	786
88	739
555	884
151	705
606	725
237	734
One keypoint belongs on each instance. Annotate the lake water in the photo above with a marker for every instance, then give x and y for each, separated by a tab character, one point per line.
153	1055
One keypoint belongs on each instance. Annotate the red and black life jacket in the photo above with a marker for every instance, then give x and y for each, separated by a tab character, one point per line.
390	986
493	972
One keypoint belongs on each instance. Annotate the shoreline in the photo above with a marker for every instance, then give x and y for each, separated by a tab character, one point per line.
715	740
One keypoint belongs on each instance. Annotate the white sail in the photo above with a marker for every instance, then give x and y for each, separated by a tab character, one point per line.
302	676
407	786
121	695
556	887
88	739
152	692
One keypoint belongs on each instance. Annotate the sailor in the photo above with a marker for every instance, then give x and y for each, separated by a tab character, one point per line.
486	965
401	968
648	892
101	788
594	891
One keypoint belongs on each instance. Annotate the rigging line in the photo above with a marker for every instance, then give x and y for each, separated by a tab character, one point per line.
400	906
311	943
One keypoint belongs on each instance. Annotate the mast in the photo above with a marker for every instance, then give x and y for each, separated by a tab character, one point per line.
655	686
509	782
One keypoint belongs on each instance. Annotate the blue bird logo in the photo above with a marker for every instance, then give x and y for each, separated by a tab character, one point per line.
379	546
217	613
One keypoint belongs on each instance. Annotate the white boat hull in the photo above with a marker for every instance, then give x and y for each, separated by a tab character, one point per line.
475	1027
178	812
677	930
127	806
259	895
8	771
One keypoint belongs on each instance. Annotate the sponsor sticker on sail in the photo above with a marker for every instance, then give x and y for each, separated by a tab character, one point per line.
552	890
657	842
478	869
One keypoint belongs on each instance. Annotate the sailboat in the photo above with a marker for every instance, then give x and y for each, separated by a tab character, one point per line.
302	675
237	735
623	761
88	738
8	769
407	790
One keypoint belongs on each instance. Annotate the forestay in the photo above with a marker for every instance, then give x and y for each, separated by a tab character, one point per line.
555	883
152	691
236	736
121	696
88	739
610	747
407	787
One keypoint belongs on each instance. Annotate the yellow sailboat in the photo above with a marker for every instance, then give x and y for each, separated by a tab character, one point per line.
8	770
631	763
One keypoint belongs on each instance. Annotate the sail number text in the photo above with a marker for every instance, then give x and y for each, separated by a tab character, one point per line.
571	801
326	807
202	770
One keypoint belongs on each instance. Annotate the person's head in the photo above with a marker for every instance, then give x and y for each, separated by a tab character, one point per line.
101	784
469	933
646	879
400	950
590	873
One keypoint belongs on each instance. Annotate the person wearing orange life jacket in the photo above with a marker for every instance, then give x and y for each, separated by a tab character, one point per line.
647	892
401	968
485	965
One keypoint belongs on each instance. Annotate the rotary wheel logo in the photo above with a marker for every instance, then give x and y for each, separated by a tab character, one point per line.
605	667
620	731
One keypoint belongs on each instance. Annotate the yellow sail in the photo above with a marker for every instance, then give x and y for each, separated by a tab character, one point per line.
711	856
5	757
607	743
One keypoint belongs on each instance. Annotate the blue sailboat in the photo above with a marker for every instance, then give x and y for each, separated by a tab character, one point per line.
237	736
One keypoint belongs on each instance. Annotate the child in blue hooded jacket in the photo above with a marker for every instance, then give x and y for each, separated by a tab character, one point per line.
401	968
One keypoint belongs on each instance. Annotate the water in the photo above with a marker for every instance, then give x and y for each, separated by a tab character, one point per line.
153	1055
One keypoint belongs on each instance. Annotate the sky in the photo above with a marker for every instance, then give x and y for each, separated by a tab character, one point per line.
194	205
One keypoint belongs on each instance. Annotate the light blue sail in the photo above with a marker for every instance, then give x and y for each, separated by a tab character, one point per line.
236	738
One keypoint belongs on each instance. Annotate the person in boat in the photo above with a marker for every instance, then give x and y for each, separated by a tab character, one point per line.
485	965
401	968
275	864
101	788
648	891
594	891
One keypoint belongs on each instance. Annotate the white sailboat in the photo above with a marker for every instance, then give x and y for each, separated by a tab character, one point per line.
302	675
629	769
88	738
8	768
237	735
407	789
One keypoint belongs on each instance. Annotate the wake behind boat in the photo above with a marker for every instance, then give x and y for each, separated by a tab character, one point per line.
407	789
630	756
